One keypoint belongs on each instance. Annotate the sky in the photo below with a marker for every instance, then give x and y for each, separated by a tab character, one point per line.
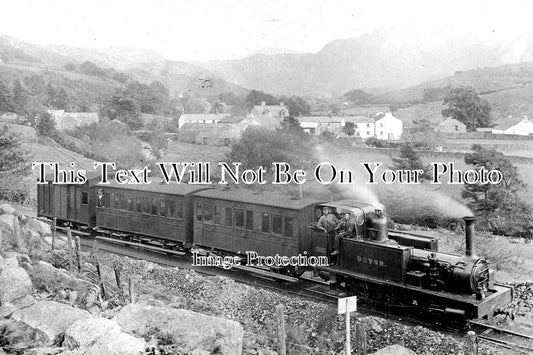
203	30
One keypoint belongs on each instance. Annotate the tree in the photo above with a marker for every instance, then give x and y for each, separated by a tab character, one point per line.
409	159
256	97
465	105
497	202
45	125
349	129
13	158
6	104
126	110
20	97
14	164
358	96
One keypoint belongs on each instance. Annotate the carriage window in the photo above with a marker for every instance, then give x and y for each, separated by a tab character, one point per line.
171	209
208	214
239	218
265	223
130	204
229	216
138	207
155	202
217	214
123	202
289	227
84	197
180	209
163	208
277	224
107	198
147	203
249	220
116	204
199	212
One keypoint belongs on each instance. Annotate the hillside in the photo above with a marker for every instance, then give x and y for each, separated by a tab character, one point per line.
393	57
508	88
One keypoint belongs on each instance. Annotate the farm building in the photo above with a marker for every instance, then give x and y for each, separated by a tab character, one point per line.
315	125
388	127
451	125
69	120
202	118
513	125
270	110
221	135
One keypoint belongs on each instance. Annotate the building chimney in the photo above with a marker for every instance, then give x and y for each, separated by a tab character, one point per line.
263	103
469	234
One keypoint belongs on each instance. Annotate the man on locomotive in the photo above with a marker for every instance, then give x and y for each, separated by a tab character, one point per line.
328	221
345	228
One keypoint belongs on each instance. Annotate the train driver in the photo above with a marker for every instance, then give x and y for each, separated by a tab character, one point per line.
345	228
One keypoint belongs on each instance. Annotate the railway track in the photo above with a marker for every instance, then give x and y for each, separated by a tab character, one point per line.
505	338
307	287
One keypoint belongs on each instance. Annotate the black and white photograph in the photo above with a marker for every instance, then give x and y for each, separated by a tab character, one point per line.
253	177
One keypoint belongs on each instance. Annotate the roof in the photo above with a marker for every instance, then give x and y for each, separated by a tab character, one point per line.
387	116
231	119
508	122
358	119
159	186
271	110
366	207
321	119
309	124
203	116
262	121
265	199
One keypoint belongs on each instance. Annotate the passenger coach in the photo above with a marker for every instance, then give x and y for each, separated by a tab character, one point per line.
236	221
158	210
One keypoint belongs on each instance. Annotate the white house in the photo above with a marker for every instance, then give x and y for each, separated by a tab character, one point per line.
364	126
513	125
201	118
388	127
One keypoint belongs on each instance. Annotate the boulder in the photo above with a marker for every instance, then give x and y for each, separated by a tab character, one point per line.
7	309
101	336
6	208
46	275
24	302
9	222
394	350
42	228
186	329
48	320
14	281
86	332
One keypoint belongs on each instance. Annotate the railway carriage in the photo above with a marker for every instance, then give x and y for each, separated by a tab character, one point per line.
72	204
156	212
235	221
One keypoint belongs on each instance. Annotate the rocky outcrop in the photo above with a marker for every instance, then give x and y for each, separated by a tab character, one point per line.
101	336
14	280
186	329
394	350
46	321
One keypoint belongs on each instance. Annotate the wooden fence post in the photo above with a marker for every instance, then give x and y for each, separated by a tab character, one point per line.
280	311
471	343
78	251
69	248
117	266
131	289
99	273
54	234
360	335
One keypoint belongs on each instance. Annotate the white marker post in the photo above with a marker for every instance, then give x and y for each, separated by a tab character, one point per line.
347	305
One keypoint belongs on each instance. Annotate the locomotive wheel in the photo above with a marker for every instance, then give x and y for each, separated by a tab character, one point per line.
359	289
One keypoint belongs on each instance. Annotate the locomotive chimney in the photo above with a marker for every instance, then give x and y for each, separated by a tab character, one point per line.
469	233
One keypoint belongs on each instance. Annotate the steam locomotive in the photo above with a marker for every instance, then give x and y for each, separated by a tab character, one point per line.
389	267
